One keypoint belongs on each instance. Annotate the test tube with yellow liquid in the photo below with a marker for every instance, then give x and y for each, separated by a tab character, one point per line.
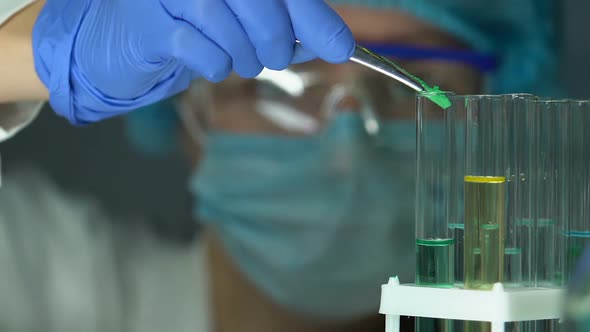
485	195
484	231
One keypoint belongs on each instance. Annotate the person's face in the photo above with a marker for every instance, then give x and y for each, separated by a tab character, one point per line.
233	103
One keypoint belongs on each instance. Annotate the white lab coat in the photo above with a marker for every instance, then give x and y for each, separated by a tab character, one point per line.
67	266
14	117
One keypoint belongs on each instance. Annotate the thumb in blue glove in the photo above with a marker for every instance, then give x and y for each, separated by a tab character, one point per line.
101	58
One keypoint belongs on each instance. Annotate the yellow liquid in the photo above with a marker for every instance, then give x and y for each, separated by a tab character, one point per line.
484	231
484	236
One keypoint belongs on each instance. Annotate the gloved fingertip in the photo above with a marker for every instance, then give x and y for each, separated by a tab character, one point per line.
216	77
216	67
302	55
276	56
250	71
195	75
340	48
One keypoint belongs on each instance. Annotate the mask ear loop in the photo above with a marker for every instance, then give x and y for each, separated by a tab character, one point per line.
290	82
294	85
367	111
198	94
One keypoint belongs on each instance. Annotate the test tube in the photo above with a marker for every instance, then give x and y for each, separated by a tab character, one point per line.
578	230
434	244
551	116
516	119
485	195
526	207
563	123
485	188
550	172
522	203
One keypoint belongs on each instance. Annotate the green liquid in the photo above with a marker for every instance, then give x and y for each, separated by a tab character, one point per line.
512	267
437	96
513	278
434	268
484	231
435	262
576	241
458	232
546	274
540	257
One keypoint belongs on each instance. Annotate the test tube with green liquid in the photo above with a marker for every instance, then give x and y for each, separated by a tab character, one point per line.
485	195
434	243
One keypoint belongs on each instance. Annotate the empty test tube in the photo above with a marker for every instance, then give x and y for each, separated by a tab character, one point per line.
515	110
577	233
551	173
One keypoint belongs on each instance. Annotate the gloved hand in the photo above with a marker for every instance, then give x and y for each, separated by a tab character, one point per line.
101	58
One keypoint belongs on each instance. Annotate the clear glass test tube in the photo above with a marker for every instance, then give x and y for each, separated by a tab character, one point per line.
577	233
434	243
526	209
564	124
522	200
515	109
549	174
515	106
485	191
485	195
550	116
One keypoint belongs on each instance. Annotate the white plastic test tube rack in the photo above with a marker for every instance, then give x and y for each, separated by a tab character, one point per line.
497	306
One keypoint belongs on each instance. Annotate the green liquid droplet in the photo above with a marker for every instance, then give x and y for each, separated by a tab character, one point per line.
435	95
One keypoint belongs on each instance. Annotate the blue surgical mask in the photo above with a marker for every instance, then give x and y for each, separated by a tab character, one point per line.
318	223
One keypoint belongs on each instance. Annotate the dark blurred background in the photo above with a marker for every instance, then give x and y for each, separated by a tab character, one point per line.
98	160
575	64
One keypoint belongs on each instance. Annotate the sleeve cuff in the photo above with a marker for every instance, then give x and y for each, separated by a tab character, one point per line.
10	7
14	117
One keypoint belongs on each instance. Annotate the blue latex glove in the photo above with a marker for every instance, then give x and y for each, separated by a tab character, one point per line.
101	58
